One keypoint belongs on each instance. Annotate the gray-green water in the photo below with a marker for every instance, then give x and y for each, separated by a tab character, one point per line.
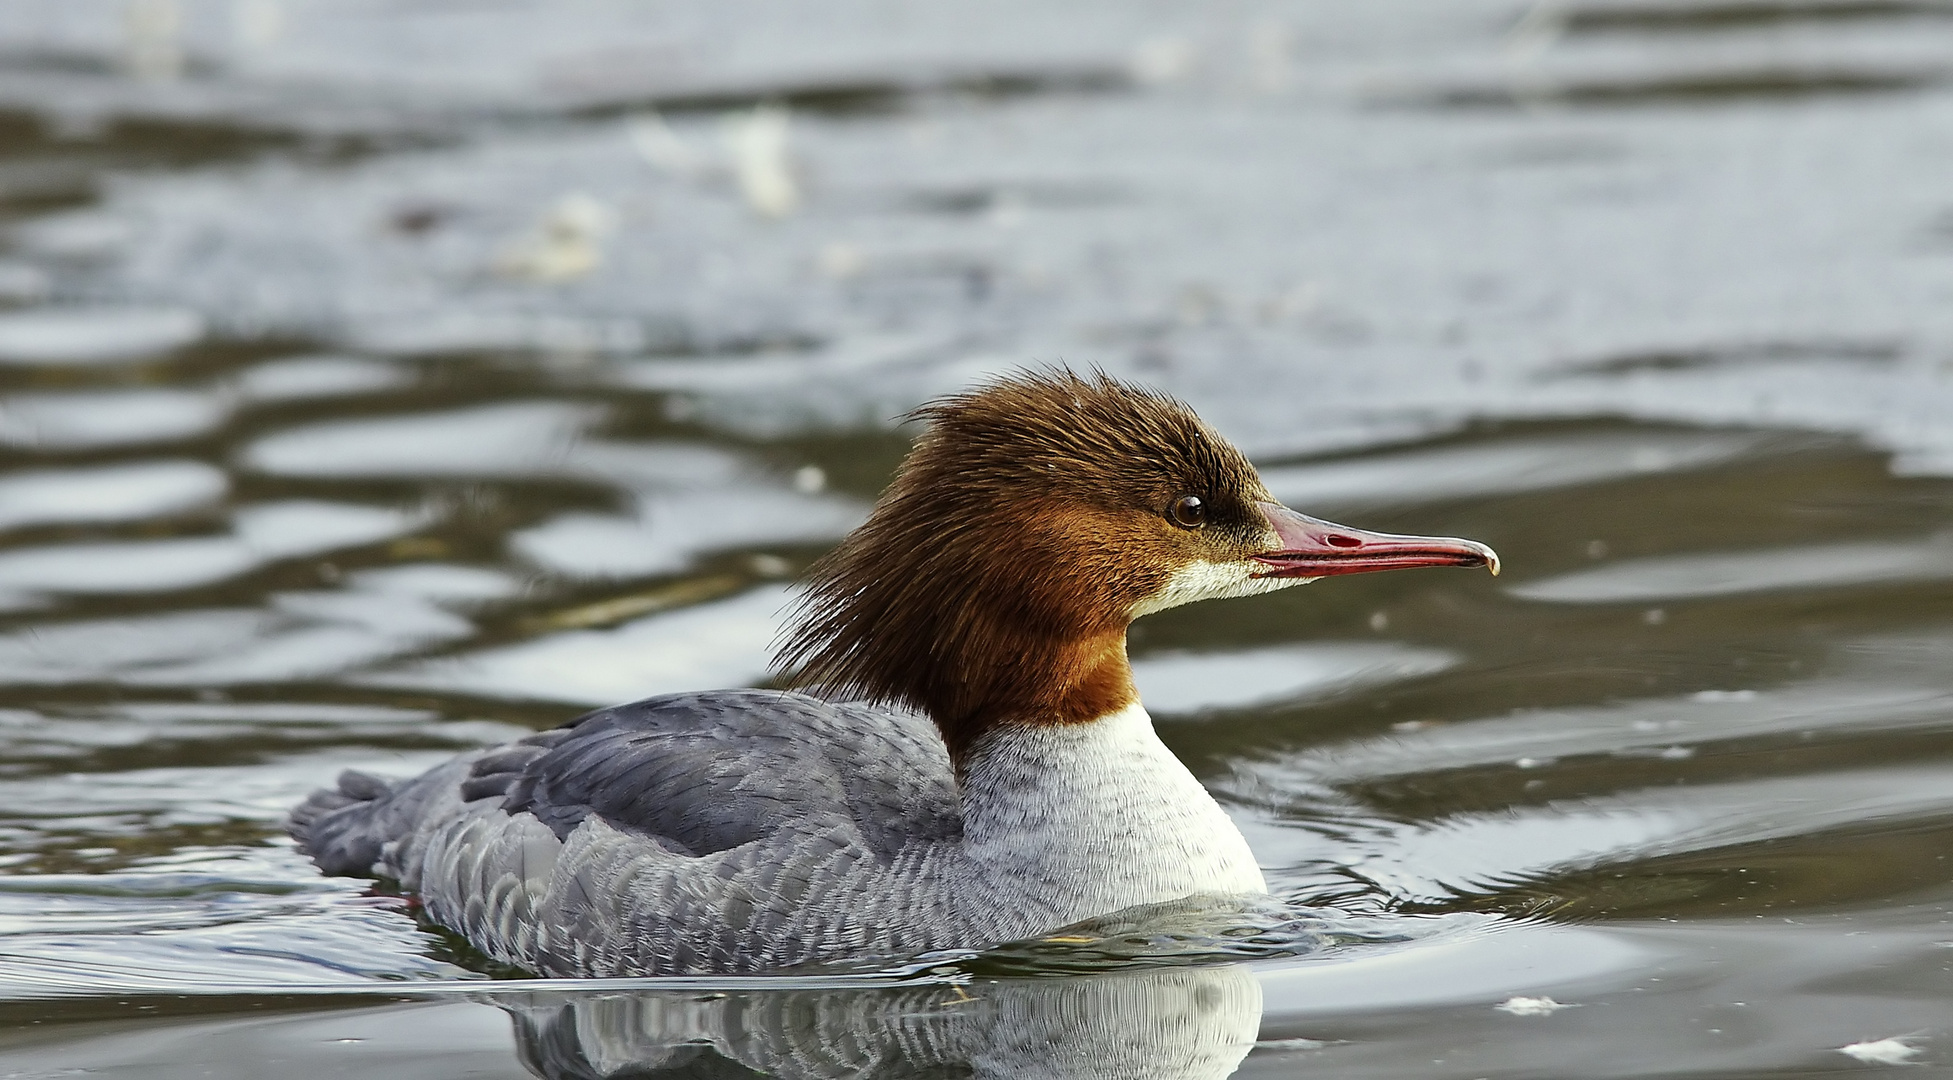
379	380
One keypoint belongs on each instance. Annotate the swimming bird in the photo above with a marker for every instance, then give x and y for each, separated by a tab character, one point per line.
964	759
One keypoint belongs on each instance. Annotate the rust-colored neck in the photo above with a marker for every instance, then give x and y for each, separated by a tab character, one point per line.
1073	682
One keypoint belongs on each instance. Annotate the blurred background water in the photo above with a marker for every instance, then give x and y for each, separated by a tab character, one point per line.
380	378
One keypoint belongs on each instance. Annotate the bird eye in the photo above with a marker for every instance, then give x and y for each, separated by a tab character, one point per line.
1189	512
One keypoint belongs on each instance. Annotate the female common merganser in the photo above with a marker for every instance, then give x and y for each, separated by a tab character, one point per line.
989	590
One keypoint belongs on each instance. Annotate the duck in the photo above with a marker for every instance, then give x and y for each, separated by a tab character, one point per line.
954	754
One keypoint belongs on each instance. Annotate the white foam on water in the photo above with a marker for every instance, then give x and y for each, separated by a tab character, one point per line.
1898	1050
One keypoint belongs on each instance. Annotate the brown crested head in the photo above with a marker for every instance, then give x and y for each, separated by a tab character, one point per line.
1034	519
995	579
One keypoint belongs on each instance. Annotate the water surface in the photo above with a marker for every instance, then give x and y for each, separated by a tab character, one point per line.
379	381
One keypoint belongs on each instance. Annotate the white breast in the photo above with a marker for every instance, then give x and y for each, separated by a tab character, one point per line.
1098	817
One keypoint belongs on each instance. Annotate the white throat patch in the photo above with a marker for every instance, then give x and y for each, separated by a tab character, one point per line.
1212	581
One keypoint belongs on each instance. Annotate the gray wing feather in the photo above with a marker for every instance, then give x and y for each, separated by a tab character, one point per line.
709	772
350	828
693	832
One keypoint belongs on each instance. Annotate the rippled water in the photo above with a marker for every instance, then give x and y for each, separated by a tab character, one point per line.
386	379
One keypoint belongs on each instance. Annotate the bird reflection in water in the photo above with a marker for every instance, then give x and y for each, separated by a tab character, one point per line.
1185	1023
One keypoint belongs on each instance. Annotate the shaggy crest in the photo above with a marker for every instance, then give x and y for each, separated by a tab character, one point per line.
995	578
